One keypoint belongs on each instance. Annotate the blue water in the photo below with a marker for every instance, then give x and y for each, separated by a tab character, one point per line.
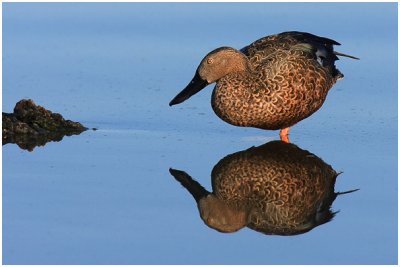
106	196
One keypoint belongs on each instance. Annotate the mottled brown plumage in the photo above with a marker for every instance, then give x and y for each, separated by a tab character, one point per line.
271	84
276	188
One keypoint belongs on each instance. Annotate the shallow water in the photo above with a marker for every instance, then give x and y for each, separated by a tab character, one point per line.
107	197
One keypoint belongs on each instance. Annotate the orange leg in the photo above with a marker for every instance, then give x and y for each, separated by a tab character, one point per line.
284	135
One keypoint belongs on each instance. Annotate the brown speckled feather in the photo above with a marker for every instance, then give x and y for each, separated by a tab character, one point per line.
276	188
287	85
283	185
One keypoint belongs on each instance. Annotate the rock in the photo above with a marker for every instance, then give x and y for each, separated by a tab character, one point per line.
31	125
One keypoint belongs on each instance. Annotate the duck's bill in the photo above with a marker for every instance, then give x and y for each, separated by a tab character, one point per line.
195	86
195	188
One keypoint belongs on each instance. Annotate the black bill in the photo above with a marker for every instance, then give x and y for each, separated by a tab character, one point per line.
195	86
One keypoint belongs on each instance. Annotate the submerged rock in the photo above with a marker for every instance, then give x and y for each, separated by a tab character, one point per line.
31	125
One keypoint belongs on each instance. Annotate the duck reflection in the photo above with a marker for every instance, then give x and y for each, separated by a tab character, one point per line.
276	189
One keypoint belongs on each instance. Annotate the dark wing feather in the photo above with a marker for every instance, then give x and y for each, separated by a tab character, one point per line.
319	48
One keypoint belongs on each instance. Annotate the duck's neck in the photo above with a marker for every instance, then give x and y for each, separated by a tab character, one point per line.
240	63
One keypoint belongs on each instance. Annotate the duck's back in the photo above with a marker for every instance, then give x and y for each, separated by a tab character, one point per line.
318	48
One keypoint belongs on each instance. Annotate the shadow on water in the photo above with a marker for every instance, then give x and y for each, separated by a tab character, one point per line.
276	188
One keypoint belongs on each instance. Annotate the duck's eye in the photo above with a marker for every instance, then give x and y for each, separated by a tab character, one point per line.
210	61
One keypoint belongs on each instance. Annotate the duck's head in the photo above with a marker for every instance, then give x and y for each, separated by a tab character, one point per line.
215	65
215	213
219	215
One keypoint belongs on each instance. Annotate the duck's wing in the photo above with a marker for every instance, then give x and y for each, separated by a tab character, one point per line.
318	48
265	46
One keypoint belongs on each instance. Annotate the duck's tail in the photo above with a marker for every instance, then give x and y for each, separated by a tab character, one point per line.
346	192
345	55
336	73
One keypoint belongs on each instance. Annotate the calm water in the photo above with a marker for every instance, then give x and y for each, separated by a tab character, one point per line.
107	197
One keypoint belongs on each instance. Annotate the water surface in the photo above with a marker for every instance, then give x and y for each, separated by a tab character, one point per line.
107	197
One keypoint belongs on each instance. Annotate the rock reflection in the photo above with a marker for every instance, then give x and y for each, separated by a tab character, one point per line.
276	189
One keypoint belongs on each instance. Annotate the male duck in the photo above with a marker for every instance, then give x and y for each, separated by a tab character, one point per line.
271	84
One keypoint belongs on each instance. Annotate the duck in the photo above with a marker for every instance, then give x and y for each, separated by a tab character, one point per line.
277	188
271	84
